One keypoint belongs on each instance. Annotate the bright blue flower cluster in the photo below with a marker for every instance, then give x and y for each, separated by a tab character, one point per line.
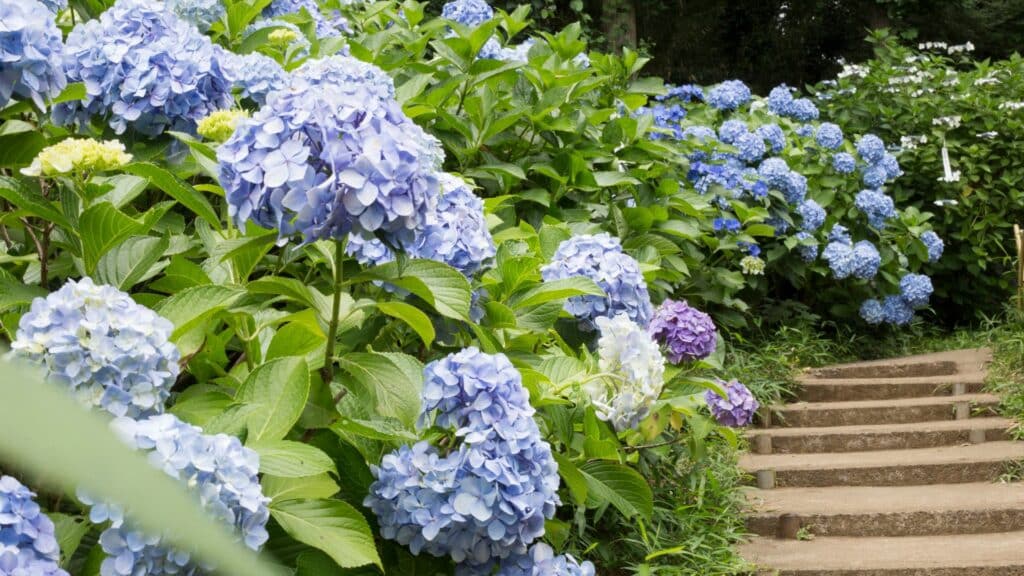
326	161
877	206
782	103
28	546
736	409
144	68
803	110
667	118
468	12
934	244
871	148
687	333
348	73
254	75
30	53
218	470
201	13
839	233
728	95
325	27
844	162
731	130
684	92
114	354
808	251
751	147
893	310
916	289
726	224
541	560
813	215
600	258
873	176
774	135
488	498
871	311
860	260
829	136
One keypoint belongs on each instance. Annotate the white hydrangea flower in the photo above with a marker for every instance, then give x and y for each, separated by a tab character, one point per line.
636	368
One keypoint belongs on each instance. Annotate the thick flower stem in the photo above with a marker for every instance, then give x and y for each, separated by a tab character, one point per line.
327	372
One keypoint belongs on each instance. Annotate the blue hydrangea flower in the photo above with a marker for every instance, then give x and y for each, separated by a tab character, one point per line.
143	68
726	224
774	135
218	470
871	148
829	136
934	245
872	312
843	162
729	95
751	147
802	109
916	289
805	130
541	560
54	6
860	260
874	176
201	13
325	27
112	353
254	75
780	224
684	92
633	359
813	215
28	546
350	74
891	166
896	311
701	133
687	333
325	161
775	173
467	12
796	188
779	100
808	251
730	131
667	118
600	258
877	206
30	53
488	498
750	248
839	233
736	409
866	260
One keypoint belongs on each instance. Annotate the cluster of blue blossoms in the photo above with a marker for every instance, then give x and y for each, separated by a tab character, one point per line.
487	499
326	27
28	546
898	309
221	472
541	560
600	258
30	53
782	103
201	13
847	259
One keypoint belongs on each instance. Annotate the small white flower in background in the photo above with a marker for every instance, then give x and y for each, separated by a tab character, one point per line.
967	47
932	46
950	122
853	70
1011	105
991	78
951	177
946	201
988	135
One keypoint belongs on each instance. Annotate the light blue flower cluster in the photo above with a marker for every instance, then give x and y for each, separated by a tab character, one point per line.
28	546
201	13
916	289
635	371
30	53
112	353
666	118
348	73
934	244
726	224
871	148
812	214
860	260
254	75
731	130
877	206
541	560
325	27
218	470
701	133
773	134
684	92
782	103
467	12
55	6
326	161
488	498
844	162
779	99
143	68
893	310
808	247
829	136
728	95
600	258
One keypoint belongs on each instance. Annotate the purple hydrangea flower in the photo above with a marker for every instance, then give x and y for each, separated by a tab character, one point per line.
541	560
600	258
729	95
28	546
112	353
933	244
829	136
687	333
736	409
916	289
30	53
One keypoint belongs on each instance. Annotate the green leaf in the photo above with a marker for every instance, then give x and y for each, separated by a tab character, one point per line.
102	227
333	526
45	433
188	308
621	486
279	389
389	430
440	285
556	290
71	92
393	380
129	262
290	459
14	293
412	316
297	338
188	196
200	409
69	531
614	178
20	148
572	476
279	489
25	198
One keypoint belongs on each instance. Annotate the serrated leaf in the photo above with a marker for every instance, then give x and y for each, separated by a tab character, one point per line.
412	316
25	198
127	263
290	459
14	293
439	285
102	227
619	485
69	531
279	489
572	477
188	308
393	380
556	290
279	389
333	526
186	195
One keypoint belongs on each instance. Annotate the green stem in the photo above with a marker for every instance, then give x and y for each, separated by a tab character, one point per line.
327	372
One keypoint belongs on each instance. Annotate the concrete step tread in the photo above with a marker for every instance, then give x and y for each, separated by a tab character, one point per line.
965	378
967	360
977	453
900	555
867	500
990	423
883	404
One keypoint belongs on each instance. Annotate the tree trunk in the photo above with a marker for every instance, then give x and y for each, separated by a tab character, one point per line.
618	21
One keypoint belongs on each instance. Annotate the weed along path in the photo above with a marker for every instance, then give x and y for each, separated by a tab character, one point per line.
888	468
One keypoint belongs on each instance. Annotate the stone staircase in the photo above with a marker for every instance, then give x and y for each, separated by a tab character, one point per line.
888	468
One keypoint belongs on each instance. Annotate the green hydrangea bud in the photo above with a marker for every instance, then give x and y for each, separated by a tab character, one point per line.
79	156
219	125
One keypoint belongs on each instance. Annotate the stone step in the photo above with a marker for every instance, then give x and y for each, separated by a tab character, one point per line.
942	465
999	554
861	412
878	436
888	511
852	389
900	368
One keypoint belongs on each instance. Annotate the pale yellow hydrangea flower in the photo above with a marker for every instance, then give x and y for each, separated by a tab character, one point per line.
219	125
283	36
752	265
78	155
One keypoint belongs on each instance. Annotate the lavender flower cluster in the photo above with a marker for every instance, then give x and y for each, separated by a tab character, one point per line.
600	258
221	473
486	499
30	53
737	408
253	75
687	333
728	95
28	545
112	353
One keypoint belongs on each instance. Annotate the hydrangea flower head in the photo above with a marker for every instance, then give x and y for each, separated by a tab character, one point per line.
79	156
774	135
813	215
752	266
874	176
348	73
700	133
933	243
796	188
897	311
839	233
871	148
844	162
751	147
891	166
637	368
144	68
687	333
829	136
201	13
220	125
802	109
730	130
28	546
541	560
55	6
779	99
736	408
467	12
114	354
808	251
325	162
726	224
916	289
600	258
871	311
218	470
729	95
684	92
877	206
325	27
866	260
775	172
254	75
30	53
